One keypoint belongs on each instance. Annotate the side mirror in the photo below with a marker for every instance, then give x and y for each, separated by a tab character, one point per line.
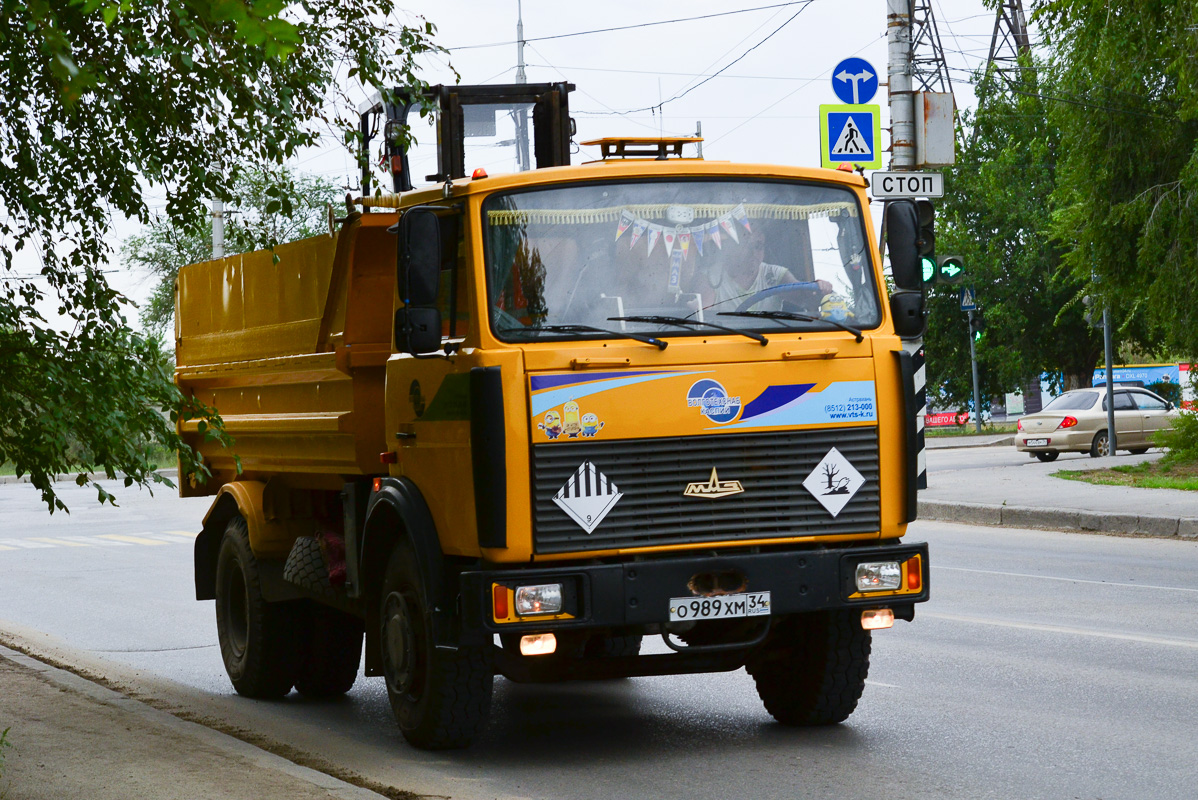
902	242
906	306
419	267
418	330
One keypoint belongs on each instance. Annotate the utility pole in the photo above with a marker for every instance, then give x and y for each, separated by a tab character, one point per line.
898	90
973	360
218	229
699	135
519	114
1109	347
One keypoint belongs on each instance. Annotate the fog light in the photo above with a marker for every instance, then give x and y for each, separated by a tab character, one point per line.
872	620
543	599
877	576
542	644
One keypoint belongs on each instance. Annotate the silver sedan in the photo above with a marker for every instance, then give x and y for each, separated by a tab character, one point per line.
1076	422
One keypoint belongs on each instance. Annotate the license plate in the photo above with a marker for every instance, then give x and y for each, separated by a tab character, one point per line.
1035	442
749	604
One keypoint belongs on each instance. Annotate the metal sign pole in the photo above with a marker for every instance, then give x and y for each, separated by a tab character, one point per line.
1110	380
977	395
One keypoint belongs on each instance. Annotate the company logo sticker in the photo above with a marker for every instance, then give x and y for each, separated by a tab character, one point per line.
713	401
833	482
713	488
587	496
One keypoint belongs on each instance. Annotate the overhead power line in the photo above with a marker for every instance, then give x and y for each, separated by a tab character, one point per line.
631	27
806	4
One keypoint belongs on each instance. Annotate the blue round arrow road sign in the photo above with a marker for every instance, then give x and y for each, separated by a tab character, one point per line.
855	81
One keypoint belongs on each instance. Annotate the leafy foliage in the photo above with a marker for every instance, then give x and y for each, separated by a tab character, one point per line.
256	221
996	215
1182	440
1126	203
100	99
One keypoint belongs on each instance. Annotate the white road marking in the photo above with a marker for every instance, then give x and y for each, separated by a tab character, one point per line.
1070	580
1039	628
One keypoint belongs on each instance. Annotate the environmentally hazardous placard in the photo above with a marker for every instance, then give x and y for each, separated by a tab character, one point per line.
850	134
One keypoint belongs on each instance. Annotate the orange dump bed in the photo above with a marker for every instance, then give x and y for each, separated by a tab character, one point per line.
291	347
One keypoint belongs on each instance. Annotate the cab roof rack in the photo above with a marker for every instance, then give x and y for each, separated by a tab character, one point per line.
658	148
551	123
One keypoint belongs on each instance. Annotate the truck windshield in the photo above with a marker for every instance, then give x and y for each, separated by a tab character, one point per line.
701	250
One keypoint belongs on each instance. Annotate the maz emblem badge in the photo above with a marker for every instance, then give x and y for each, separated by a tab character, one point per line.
713	488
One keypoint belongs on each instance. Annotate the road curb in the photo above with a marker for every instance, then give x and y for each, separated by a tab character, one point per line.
1059	519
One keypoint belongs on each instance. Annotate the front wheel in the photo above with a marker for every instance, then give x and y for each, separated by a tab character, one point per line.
1046	457
257	638
812	668
1101	446
440	697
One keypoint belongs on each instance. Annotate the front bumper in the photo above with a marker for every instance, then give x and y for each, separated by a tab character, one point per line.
639	592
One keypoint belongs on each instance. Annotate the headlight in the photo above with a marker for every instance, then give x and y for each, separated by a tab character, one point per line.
543	599
876	576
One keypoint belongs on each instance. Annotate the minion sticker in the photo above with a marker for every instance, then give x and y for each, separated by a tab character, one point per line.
590	425
552	424
570	424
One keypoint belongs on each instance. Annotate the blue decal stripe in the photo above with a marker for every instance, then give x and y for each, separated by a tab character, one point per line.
774	397
546	400
541	382
841	401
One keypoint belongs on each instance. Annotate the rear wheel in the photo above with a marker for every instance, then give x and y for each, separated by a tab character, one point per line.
440	698
1101	446
811	670
1046	457
257	638
330	649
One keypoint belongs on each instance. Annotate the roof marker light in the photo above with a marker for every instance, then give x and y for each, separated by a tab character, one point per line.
478	173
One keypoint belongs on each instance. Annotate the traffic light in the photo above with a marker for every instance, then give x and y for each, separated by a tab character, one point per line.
976	324
950	270
927	228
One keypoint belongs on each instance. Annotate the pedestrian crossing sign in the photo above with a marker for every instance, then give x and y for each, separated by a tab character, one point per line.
850	134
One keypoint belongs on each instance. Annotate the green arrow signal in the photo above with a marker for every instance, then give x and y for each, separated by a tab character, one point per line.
952	270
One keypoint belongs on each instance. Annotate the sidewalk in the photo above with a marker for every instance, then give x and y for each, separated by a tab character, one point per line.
1027	496
72	738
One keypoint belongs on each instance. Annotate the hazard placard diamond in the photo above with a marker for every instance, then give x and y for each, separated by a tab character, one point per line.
587	496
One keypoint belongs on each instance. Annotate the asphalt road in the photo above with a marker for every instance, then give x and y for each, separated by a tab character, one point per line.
1047	665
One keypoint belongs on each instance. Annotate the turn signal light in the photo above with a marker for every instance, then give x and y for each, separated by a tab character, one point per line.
915	574
873	619
538	644
499	598
1067	422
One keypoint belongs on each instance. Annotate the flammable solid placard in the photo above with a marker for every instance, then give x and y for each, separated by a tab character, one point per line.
850	134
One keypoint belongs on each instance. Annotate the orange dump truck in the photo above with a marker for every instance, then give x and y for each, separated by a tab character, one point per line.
515	424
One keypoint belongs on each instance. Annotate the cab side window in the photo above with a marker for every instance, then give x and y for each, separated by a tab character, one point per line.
452	294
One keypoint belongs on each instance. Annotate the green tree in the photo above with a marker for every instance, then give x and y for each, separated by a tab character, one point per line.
996	215
255	221
1125	99
100	99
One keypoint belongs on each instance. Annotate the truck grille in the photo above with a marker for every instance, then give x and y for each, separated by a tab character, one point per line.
652	475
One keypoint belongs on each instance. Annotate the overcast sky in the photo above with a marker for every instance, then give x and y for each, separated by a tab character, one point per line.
761	108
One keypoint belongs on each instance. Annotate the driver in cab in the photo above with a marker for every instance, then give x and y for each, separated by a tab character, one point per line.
739	272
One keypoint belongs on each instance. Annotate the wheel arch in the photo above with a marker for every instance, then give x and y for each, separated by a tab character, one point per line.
397	511
238	497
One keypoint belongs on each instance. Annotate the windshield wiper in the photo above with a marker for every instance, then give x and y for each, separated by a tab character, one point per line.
653	319
792	315
658	343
